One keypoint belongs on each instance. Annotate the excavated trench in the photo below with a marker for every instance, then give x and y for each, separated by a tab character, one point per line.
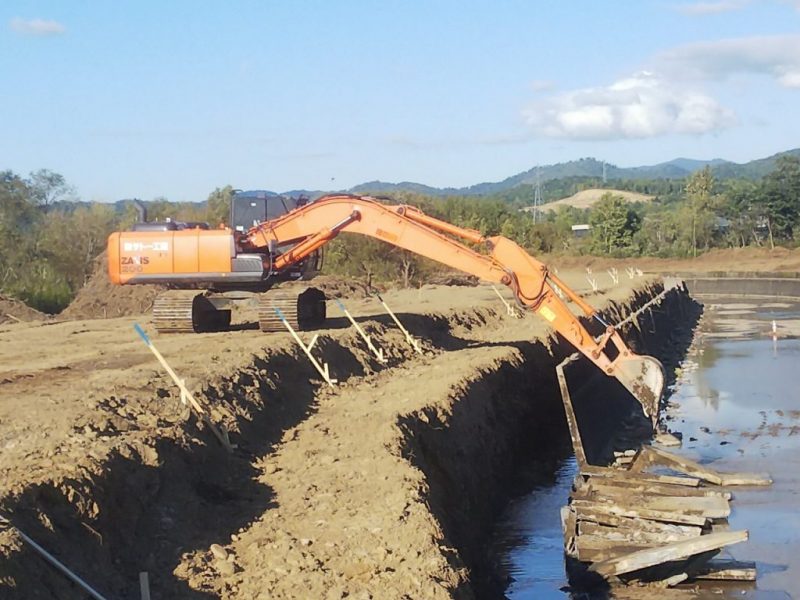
153	504
509	434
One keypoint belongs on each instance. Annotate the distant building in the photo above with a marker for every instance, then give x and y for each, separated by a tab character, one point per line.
580	231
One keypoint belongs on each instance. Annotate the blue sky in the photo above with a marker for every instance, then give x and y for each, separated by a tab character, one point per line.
146	99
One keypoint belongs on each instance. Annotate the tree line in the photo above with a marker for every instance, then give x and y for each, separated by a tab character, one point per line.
49	239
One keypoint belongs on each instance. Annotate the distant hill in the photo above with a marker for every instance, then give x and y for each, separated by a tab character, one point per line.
678	168
587	198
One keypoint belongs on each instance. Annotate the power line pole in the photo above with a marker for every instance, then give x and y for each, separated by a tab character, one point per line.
604	173
537	195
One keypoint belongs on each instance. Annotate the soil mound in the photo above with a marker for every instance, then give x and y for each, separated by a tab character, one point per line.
13	311
100	299
335	287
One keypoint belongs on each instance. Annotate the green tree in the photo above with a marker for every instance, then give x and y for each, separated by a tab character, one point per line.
779	198
47	187
699	189
219	206
613	225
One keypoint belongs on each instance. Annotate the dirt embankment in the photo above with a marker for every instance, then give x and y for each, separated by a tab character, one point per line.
16	311
384	487
740	260
100	299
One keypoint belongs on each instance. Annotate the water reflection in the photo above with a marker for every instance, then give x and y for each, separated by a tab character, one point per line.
737	403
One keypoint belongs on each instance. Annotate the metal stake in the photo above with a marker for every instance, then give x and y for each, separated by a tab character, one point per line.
53	561
322	368
409	338
376	351
222	436
512	312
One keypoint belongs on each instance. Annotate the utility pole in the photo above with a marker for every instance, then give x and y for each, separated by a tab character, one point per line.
537	195
604	173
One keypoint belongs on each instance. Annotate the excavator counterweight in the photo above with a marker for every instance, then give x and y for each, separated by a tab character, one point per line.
252	259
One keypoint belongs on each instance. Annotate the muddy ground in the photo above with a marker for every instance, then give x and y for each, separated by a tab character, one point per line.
360	491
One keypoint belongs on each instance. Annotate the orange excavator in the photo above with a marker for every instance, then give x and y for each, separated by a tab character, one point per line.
219	265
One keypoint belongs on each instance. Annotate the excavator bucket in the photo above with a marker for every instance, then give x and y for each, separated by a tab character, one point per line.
643	377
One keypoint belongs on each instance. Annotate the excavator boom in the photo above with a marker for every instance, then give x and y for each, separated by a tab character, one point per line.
504	262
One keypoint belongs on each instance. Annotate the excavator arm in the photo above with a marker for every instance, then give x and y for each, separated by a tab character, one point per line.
314	225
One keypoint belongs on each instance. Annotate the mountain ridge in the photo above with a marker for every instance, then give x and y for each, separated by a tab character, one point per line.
677	168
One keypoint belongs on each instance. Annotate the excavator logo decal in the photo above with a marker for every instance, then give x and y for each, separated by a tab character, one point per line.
133	264
386	235
135	260
140	246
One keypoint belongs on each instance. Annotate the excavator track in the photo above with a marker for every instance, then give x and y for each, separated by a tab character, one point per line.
303	308
188	311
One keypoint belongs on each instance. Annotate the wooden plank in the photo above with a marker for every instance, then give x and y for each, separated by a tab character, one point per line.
607	485
746	479
593	555
727	570
611	520
649	557
652	455
594	471
635	535
572	421
702	506
641	513
664	438
602	514
569	527
712	507
591	549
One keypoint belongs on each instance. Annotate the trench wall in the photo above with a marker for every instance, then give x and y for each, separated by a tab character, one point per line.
507	429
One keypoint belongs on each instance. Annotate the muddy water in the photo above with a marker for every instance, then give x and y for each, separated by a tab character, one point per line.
737	404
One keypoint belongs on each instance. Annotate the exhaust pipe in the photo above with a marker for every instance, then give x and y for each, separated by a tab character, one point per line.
141	211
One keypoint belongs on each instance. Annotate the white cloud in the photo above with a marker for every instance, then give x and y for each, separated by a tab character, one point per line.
709	8
777	56
542	85
40	27
643	105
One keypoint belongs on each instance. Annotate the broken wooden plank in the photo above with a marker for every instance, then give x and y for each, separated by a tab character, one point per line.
634	534
745	479
634	523
569	527
664	438
650	455
664	516
710	507
649	557
607	472
569	411
727	570
595	548
628	486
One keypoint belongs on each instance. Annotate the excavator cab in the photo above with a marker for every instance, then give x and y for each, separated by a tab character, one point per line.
251	208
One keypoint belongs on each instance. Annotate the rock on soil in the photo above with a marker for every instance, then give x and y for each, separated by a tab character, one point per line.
100	299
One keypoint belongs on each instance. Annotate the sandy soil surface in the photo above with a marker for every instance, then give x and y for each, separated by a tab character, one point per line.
103	464
588	198
317	496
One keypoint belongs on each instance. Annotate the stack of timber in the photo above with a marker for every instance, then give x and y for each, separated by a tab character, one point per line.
656	519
